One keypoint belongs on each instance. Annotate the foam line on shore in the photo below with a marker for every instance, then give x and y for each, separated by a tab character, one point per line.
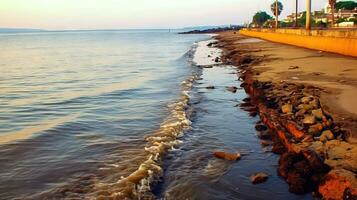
206	55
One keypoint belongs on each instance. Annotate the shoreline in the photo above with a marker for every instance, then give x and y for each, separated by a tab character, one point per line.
321	152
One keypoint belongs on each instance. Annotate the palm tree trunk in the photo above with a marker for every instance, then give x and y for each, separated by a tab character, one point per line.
296	14
276	14
308	15
333	15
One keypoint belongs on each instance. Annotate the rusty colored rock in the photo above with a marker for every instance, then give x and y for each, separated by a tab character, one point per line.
339	184
227	156
287	108
294	130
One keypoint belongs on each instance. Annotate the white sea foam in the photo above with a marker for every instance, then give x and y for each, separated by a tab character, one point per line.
205	55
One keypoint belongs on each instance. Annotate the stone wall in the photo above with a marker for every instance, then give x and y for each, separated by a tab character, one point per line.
335	41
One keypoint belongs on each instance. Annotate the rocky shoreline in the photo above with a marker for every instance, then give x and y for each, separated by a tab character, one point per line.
315	153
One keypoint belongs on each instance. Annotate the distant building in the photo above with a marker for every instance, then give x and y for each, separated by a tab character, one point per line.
325	16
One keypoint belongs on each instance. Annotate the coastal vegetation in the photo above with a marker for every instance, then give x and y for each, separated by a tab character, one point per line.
261	17
347	5
334	14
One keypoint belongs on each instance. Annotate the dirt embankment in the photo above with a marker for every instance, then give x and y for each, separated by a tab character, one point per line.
307	99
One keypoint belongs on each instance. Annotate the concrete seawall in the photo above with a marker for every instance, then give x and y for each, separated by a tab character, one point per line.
334	41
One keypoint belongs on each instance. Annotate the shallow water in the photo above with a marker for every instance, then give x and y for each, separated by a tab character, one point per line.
123	114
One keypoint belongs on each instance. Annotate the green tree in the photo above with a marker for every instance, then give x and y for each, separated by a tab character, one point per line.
280	8
260	18
347	5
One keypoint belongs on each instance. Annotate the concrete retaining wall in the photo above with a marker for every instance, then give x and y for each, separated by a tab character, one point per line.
335	41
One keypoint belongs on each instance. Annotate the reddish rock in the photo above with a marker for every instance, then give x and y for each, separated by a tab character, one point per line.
339	184
227	156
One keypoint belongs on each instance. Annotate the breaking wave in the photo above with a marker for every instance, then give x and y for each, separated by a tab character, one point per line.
139	184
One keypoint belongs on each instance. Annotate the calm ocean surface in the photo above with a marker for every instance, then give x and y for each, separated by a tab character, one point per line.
123	115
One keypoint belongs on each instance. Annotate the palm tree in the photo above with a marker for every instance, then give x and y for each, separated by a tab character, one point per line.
276	9
296	13
332	4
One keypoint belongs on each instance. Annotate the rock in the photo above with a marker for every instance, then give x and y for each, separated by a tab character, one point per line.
259	177
287	108
326	135
247	99
278	148
209	56
211	87
303	168
341	154
309	120
211	44
293	67
317	113
306	100
217	59
339	184
315	161
264	135
314	103
300	113
316	129
266	143
296	183
232	89
261	127
305	107
227	156
318	147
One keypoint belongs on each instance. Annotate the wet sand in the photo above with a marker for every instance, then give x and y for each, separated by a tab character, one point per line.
335	74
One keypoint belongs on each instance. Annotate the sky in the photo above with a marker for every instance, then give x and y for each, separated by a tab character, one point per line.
127	14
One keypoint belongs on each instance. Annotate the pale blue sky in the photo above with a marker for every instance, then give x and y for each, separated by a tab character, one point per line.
113	14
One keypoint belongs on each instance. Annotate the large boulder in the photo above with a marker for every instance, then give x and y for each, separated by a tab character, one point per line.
339	184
